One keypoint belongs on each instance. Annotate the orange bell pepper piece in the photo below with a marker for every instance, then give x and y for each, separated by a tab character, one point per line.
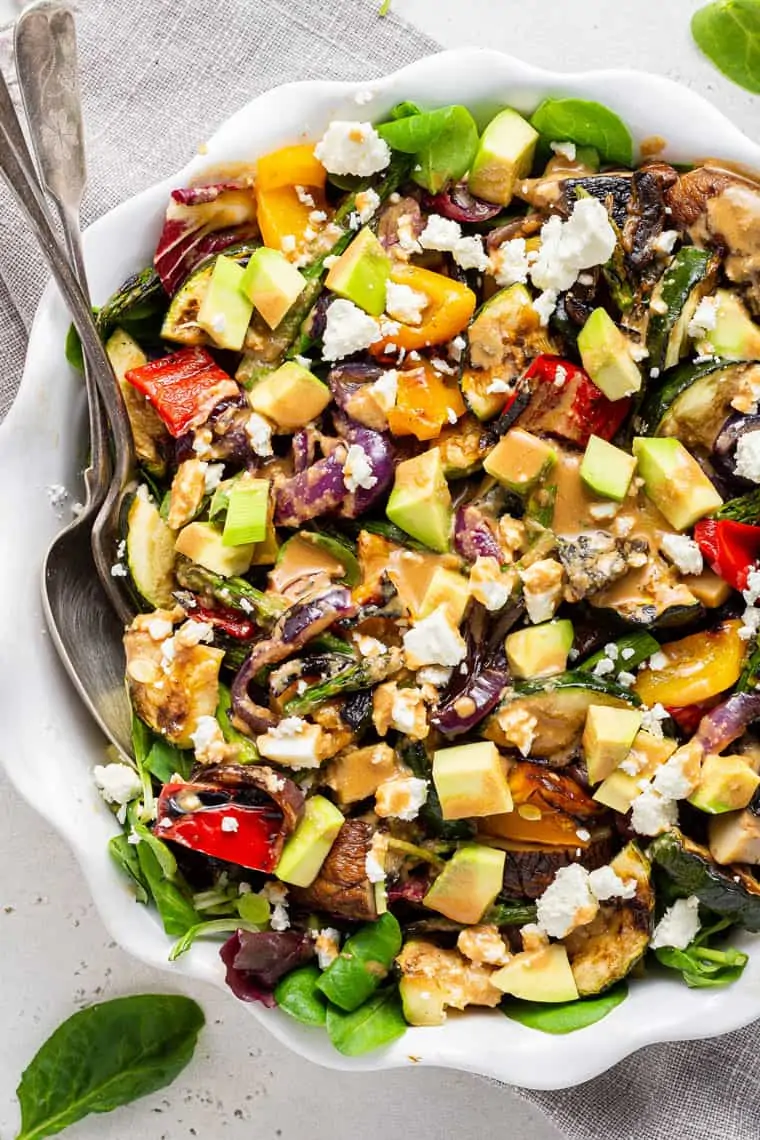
697	667
424	402
290	166
449	309
282	215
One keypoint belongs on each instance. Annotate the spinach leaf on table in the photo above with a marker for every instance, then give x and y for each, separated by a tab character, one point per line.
565	1017
105	1056
728	33
586	123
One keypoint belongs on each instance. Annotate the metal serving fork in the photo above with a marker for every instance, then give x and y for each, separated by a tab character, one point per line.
84	605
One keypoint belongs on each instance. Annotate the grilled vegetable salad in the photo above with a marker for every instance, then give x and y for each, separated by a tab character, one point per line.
446	561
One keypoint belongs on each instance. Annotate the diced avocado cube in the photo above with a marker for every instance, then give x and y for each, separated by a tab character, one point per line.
291	396
505	154
735	336
202	543
726	783
309	845
606	356
423	1001
471	780
361	273
648	753
540	650
468	884
420	502
445	588
606	470
608	737
271	284
674	481
538	975
225	312
519	460
247	517
709	589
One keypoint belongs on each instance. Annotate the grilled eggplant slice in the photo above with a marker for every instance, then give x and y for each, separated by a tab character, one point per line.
530	867
731	891
607	949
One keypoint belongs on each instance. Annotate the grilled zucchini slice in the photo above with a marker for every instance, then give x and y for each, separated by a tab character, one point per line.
607	949
688	278
731	891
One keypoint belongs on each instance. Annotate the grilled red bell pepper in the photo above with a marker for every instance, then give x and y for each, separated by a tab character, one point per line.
227	620
688	717
565	402
183	387
731	548
206	818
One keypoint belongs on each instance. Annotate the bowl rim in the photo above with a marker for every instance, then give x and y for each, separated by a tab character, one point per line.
478	1042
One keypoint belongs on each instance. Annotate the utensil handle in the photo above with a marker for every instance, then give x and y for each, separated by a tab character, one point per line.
27	195
45	53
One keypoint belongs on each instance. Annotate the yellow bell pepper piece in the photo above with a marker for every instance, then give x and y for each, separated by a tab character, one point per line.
425	402
448	311
697	667
290	166
283	216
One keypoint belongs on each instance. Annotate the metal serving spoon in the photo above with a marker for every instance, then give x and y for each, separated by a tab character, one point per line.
83	617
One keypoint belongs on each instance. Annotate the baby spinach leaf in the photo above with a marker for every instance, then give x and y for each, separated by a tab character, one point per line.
703	965
164	760
728	32
106	1056
207	930
363	963
443	142
298	995
124	854
376	1023
586	123
73	349
565	1017
166	887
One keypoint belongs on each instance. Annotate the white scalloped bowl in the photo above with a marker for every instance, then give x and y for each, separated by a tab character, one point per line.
49	745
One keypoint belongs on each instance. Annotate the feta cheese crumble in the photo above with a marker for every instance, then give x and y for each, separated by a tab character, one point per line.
542	589
679	775
606	884
665	241
652	813
352	148
229	823
510	263
374	863
327	946
565	149
705	318
683	552
566	903
348	329
679	925
401	798
358	470
586	239
446	235
747	458
404	303
434	641
259	432
117	783
367	202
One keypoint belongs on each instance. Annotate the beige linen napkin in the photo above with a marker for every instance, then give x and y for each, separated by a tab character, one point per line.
158	76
